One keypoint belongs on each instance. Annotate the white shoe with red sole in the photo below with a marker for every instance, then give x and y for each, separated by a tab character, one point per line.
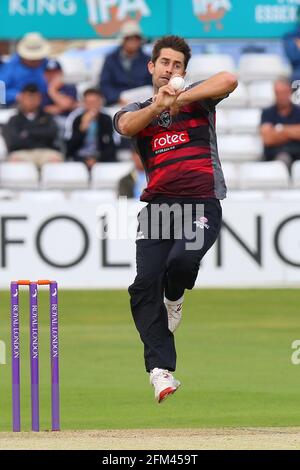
164	383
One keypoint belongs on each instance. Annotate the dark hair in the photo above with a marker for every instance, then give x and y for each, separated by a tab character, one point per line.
172	42
92	91
30	88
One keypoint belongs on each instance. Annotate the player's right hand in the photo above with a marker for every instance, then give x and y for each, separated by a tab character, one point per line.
165	98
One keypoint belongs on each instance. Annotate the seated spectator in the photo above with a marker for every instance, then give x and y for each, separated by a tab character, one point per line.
133	184
30	135
280	126
60	98
26	67
126	67
91	136
291	43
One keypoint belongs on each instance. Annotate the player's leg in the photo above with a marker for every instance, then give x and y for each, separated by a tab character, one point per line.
183	261
146	300
149	313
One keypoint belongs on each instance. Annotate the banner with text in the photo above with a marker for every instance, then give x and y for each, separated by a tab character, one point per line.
71	19
234	18
259	244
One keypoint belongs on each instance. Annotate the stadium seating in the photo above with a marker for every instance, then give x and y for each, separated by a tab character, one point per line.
231	175
288	195
124	155
296	174
95	69
239	147
102	195
70	175
6	114
244	121
261	94
222	124
107	175
202	66
237	99
3	149
7	195
238	120
43	196
261	67
264	175
245	196
74	69
18	175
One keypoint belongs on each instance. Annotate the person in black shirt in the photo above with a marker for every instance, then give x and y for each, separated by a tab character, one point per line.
91	137
280	126
31	135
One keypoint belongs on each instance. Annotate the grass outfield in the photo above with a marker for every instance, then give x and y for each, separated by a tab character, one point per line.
234	362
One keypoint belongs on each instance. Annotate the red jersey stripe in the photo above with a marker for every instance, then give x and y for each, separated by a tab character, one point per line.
174	154
182	124
190	123
162	175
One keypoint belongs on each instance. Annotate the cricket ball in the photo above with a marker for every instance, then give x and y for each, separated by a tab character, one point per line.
177	83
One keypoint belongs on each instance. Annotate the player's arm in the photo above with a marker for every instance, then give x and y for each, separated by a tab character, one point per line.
132	122
215	87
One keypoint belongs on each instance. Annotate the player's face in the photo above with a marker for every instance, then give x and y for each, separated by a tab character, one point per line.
168	63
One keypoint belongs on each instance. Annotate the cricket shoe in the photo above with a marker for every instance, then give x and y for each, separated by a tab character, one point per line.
164	383
174	309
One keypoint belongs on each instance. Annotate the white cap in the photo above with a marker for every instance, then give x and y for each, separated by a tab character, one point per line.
130	28
33	47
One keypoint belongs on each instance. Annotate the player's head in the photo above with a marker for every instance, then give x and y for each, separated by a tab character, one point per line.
92	99
170	56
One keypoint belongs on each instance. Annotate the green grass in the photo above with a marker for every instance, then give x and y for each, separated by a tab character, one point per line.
234	362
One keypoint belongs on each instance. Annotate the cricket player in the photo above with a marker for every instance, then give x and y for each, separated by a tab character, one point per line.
174	134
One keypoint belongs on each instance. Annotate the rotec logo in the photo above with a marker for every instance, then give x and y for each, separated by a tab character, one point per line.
166	140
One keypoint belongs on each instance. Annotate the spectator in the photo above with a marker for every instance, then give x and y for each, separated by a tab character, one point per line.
30	134
126	67
60	99
280	126
91	137
133	184
291	43
26	67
